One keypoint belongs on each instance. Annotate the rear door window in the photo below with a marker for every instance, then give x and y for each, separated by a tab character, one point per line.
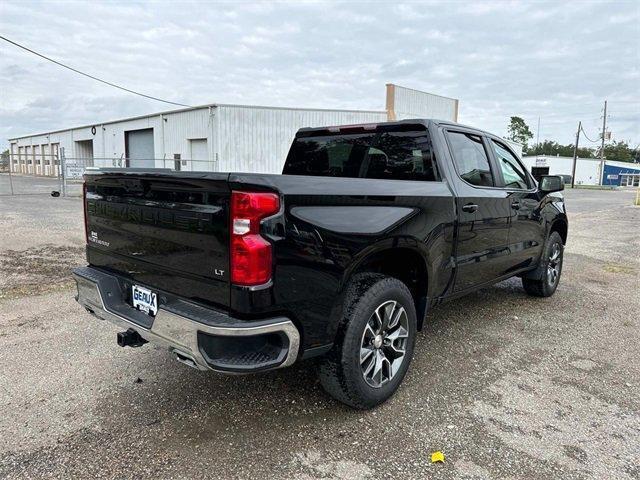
471	159
393	155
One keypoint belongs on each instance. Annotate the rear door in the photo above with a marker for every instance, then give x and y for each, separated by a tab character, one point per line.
483	212
526	231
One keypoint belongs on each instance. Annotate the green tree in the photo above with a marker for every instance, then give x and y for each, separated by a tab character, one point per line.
519	131
553	148
621	152
4	160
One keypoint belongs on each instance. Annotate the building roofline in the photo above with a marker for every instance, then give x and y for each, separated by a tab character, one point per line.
188	109
422	91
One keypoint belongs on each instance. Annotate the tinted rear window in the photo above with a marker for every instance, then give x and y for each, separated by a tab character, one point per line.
402	155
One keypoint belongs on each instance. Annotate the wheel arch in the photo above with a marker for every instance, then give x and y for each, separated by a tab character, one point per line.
406	263
561	226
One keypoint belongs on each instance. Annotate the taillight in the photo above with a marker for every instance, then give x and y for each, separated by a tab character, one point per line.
250	253
86	216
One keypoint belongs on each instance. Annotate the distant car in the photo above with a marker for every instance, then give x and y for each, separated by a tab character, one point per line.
566	179
340	257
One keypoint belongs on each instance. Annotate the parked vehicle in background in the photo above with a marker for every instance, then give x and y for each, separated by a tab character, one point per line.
340	257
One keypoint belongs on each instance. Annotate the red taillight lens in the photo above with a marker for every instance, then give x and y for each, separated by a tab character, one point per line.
250	253
86	216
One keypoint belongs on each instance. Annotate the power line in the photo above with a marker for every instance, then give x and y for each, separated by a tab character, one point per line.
90	76
585	134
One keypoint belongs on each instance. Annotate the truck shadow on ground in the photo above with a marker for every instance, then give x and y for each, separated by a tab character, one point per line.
452	354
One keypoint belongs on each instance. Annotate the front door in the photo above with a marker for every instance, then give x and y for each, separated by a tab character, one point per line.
483	214
526	234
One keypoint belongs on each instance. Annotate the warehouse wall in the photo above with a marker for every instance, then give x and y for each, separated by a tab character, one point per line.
257	139
172	134
404	103
228	137
587	169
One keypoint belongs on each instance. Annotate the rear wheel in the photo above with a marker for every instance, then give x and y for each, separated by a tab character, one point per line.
544	280
374	343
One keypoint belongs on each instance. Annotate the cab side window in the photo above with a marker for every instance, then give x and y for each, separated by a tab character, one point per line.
470	158
513	172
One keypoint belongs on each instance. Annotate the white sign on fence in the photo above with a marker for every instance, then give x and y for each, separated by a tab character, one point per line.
74	170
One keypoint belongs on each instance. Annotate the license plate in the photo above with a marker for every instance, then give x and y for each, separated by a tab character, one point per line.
144	300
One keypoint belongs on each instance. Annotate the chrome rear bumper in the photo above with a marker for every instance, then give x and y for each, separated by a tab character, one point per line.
183	326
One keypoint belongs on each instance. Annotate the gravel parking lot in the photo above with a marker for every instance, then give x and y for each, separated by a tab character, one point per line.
20	184
507	386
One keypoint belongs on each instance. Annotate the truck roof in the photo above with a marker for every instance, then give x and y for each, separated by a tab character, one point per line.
371	126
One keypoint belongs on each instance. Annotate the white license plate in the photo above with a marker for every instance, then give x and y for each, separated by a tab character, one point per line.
144	300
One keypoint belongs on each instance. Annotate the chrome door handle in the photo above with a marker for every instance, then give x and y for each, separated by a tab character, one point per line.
515	205
470	207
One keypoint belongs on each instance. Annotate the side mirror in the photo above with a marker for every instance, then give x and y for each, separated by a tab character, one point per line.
551	183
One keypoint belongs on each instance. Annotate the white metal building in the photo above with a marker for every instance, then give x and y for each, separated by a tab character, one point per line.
216	137
587	170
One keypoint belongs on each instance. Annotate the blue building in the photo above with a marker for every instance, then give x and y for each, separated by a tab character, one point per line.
622	174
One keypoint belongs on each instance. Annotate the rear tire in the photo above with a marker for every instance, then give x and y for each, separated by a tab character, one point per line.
544	280
374	343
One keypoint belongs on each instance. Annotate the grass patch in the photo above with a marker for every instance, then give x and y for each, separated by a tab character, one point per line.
596	187
18	291
617	268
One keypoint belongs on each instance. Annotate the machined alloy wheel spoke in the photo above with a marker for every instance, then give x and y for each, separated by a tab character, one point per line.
365	354
397	341
384	343
553	267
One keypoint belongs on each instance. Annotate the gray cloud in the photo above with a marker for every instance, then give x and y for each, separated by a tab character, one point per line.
556	60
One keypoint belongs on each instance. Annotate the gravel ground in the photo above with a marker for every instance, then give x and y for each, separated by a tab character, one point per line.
22	184
507	386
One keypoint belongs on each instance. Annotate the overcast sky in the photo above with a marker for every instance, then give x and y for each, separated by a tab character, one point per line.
558	60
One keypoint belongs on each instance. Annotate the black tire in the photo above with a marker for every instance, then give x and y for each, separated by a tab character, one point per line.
542	282
340	371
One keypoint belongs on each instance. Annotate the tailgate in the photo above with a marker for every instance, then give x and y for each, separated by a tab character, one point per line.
167	231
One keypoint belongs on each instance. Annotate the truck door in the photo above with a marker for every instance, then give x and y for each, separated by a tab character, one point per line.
483	213
526	231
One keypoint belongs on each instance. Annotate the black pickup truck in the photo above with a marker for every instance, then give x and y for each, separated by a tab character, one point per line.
341	257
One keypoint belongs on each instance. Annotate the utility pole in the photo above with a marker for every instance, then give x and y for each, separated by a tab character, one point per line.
575	156
538	139
604	130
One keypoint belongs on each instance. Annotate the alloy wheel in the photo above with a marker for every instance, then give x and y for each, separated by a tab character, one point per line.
553	266
384	343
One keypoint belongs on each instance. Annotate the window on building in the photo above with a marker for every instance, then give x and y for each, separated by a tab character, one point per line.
470	159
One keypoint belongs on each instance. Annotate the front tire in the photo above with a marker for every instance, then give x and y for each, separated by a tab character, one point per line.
544	280
374	343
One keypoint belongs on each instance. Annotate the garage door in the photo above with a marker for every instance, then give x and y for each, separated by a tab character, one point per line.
139	148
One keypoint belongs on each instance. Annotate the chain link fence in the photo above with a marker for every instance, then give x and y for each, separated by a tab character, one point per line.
62	176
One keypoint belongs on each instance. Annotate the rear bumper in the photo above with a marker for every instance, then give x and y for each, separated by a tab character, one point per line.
201	337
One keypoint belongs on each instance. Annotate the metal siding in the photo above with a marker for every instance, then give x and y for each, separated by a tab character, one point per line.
257	139
587	170
179	129
239	138
410	103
